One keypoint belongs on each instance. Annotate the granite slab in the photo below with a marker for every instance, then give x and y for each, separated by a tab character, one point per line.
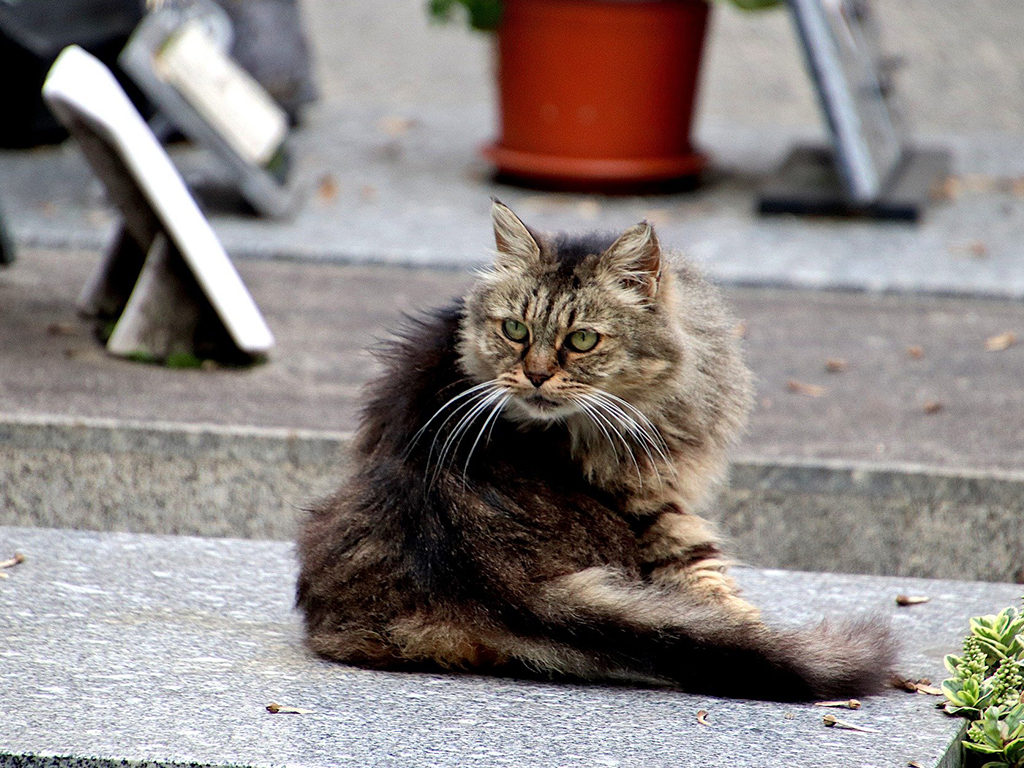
157	650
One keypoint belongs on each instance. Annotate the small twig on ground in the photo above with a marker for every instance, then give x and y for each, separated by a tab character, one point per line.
924	685
832	721
847	704
1001	342
800	388
18	558
281	709
911	599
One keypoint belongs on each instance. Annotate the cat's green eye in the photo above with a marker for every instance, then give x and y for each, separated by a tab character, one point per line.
515	330
582	341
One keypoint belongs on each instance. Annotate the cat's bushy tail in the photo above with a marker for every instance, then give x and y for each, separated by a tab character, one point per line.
624	631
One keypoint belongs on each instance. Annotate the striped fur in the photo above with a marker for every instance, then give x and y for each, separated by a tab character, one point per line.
496	524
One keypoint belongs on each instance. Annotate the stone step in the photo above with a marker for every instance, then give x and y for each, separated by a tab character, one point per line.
157	650
855	517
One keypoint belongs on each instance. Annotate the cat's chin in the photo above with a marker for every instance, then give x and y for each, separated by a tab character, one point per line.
535	407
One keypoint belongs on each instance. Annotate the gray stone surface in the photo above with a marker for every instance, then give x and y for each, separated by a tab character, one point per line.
875	519
160	650
107	475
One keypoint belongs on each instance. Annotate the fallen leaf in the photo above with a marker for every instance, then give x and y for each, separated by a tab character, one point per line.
932	406
281	709
799	388
975	249
702	717
537	203
980	182
835	365
834	722
911	599
396	125
948	188
62	329
915	352
16	560
904	684
846	704
327	189
789	716
929	690
1001	342
914	764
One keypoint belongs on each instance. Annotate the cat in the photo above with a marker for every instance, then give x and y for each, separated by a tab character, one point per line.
529	473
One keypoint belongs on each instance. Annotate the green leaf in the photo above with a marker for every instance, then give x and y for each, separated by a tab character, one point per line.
1015	752
484	15
991	728
183	360
968	712
984	749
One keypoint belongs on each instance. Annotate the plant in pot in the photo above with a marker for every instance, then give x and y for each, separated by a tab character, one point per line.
595	94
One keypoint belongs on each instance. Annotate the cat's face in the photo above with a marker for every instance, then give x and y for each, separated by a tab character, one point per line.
570	325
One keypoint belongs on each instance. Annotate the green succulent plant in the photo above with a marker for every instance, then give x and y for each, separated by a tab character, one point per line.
987	686
485	15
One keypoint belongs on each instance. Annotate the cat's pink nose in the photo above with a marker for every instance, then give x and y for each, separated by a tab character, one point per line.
537	377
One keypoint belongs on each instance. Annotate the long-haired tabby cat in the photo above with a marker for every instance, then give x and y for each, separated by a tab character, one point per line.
529	469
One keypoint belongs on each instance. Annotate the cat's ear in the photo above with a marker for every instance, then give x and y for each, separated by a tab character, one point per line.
634	259
516	243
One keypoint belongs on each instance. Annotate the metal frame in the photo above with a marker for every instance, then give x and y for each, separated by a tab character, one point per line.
842	61
268	195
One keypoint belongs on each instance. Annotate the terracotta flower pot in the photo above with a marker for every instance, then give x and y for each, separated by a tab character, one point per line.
598	94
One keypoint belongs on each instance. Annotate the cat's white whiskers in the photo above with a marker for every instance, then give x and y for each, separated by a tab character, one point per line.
460	408
465	393
617	414
591	406
492	419
644	432
588	409
458	431
640	415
